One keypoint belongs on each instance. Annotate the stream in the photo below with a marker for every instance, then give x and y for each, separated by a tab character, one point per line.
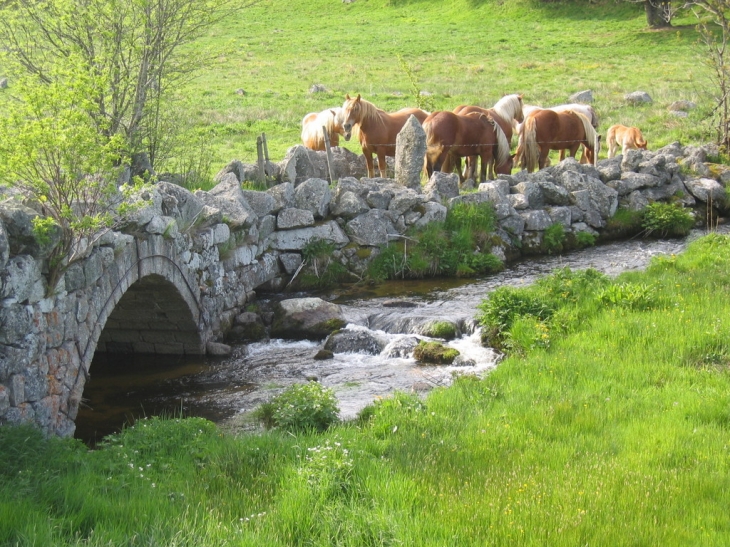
123	388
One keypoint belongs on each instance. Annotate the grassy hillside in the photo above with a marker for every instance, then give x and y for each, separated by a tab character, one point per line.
466	51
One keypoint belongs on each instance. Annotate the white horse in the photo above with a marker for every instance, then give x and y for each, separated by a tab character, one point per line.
312	125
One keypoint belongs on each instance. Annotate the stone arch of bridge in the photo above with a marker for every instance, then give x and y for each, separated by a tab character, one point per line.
146	301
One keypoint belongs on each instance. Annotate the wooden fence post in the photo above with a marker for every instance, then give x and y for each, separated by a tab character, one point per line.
329	154
266	147
260	154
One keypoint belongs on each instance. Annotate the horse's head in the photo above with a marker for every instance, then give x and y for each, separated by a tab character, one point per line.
350	114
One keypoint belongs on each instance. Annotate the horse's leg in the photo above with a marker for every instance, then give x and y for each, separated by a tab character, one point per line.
544	153
369	163
573	150
382	166
561	156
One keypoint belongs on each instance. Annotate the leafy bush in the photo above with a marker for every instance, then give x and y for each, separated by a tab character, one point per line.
585	239
554	237
301	407
322	270
452	247
520	319
666	219
388	264
634	296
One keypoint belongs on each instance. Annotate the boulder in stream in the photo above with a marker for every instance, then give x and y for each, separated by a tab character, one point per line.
306	318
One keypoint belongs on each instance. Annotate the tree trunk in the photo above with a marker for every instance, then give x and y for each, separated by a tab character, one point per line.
657	13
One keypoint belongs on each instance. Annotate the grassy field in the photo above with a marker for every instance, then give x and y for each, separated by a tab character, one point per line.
464	51
613	434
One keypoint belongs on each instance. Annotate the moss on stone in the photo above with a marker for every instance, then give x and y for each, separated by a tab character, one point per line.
435	353
441	329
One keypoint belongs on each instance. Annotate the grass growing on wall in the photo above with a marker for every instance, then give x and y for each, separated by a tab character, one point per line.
614	434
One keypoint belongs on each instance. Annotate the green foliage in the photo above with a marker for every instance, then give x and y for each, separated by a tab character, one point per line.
55	153
449	248
322	270
666	219
519	319
585	239
388	264
301	407
478	218
634	296
423	101
624	221
554	238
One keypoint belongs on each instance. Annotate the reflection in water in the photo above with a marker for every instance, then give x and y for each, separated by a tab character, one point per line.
123	387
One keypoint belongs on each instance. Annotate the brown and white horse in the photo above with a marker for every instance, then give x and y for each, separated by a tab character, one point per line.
377	129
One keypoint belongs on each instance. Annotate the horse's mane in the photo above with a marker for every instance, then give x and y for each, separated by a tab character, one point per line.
370	112
508	106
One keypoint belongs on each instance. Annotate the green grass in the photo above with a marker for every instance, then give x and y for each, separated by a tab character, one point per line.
615	434
464	51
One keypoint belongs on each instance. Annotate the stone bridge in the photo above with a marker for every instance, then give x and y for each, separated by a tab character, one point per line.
174	278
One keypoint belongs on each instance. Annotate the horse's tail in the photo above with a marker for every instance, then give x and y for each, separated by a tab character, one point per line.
589	131
502	152
433	146
528	144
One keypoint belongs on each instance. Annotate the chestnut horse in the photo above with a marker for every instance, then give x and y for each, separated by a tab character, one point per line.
587	110
457	136
377	129
505	112
545	130
312	128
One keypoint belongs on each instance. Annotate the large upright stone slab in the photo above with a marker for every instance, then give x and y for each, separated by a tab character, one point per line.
410	149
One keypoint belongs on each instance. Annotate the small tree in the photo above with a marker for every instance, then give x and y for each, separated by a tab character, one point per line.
134	50
714	35
52	153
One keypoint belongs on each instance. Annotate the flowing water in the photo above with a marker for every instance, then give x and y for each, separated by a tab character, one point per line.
125	387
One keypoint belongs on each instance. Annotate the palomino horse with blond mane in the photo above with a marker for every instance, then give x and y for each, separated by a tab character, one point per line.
545	130
377	129
506	112
456	136
312	124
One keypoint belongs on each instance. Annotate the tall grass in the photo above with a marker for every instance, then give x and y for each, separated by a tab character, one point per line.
616	434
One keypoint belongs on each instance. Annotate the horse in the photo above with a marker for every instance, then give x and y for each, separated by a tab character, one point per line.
506	112
312	125
587	110
377	129
475	134
544	130
627	137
